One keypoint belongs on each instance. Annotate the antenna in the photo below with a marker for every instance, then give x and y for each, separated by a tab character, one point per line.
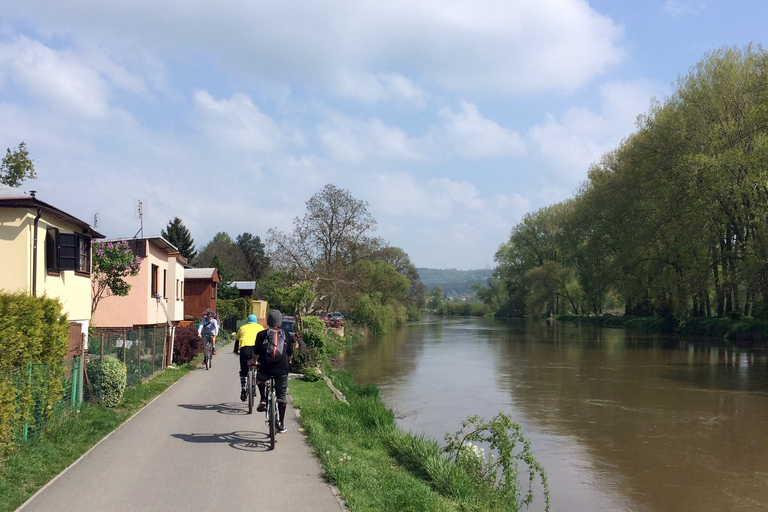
139	210
95	220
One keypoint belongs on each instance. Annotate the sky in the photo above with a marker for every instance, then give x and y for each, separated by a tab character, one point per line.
451	119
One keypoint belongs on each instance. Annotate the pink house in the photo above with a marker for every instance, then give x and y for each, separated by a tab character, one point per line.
161	274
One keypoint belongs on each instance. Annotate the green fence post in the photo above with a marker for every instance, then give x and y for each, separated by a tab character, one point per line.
26	413
73	384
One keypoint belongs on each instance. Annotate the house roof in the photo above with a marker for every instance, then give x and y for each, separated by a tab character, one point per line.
244	285
11	197
200	273
156	240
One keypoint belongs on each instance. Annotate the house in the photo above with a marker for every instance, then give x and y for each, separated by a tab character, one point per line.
45	251
157	291
200	291
245	288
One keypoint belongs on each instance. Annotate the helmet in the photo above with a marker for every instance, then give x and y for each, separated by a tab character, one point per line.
252	319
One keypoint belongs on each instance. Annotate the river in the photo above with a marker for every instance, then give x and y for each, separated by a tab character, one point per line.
621	421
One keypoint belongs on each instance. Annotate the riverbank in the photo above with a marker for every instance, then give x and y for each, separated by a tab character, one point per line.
376	466
744	332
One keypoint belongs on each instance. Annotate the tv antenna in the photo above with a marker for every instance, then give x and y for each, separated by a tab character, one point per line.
95	220
139	210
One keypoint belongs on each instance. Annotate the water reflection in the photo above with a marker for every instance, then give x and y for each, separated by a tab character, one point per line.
621	421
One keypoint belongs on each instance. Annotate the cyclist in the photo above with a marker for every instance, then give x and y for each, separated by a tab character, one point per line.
209	329
244	345
277	369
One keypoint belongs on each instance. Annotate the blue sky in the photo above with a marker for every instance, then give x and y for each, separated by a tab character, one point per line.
451	119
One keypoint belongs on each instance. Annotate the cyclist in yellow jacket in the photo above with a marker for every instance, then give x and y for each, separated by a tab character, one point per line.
246	339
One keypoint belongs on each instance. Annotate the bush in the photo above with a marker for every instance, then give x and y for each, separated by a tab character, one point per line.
311	374
34	331
186	345
368	311
313	324
107	378
316	341
304	357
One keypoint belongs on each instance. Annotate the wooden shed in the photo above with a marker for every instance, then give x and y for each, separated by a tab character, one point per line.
201	287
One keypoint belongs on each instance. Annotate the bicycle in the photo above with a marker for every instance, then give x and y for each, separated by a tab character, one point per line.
250	384
208	352
271	411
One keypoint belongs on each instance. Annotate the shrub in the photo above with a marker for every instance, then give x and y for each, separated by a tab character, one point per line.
315	340
313	324
304	357
108	378
186	345
498	471
311	374
368	311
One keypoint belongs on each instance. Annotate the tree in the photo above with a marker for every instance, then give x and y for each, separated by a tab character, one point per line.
255	256
223	254
331	237
112	263
17	166
178	234
402	263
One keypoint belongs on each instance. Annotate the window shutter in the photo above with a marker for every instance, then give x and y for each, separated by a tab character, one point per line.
68	251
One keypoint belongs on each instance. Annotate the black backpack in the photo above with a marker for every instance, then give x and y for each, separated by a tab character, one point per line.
274	342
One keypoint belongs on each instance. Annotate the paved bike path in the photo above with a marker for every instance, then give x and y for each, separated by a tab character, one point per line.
194	448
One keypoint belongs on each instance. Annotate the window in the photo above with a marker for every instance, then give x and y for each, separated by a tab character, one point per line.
165	283
213	290
67	251
51	250
155	276
181	297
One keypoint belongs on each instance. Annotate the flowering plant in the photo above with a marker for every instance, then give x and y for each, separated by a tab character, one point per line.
112	263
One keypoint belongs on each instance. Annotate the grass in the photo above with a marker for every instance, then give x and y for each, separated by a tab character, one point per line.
64	440
377	467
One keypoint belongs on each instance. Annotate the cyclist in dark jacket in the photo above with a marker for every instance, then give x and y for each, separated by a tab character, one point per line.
277	368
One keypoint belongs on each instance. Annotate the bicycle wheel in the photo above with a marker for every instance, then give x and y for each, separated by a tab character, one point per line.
249	388
272	408
207	356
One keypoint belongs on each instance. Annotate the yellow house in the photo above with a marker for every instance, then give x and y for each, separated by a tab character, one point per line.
157	292
45	251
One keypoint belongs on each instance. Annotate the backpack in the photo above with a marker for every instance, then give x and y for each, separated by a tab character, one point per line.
274	342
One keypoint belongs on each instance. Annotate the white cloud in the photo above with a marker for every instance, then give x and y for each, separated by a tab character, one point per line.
465	45
57	78
374	88
568	145
238	123
470	135
354	141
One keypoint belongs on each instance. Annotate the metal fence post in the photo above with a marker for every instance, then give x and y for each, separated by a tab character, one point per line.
26	414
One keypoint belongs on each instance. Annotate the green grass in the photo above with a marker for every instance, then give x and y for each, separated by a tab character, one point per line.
377	467
64	440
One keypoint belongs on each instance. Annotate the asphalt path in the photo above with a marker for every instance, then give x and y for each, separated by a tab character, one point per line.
194	448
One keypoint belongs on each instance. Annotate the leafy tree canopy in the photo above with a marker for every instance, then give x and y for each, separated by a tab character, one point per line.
17	166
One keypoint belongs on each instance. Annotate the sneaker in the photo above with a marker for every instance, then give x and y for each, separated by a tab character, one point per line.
243	396
214	351
281	429
261	407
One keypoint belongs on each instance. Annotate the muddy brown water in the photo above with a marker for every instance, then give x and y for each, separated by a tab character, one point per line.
621	421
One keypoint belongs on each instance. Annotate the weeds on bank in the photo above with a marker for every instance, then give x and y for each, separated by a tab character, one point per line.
379	468
64	440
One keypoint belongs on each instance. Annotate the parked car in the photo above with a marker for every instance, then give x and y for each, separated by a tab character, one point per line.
289	323
325	319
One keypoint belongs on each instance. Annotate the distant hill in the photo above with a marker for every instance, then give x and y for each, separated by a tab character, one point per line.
455	283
